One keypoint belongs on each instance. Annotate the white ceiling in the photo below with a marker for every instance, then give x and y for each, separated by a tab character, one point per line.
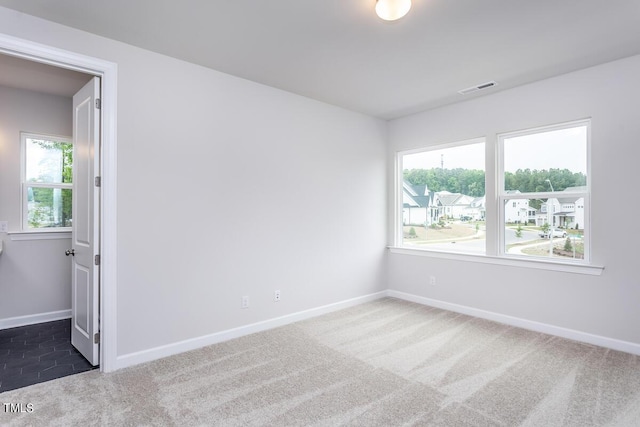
339	52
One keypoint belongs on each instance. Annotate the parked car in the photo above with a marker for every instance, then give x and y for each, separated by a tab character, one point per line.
557	233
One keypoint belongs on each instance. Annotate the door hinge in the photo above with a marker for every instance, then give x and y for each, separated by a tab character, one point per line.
98	103
96	338
96	260
97	181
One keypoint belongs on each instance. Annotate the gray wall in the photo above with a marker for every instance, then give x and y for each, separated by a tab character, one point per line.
35	276
605	305
229	188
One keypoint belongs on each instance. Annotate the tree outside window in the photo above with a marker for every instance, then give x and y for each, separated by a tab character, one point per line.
47	182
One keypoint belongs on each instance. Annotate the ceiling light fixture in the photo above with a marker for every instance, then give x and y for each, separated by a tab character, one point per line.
390	10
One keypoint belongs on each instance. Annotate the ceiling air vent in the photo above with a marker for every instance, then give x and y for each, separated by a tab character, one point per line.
478	87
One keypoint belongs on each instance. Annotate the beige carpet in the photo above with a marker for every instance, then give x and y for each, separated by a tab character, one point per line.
384	363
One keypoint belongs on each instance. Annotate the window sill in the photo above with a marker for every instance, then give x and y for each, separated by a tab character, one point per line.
591	270
40	235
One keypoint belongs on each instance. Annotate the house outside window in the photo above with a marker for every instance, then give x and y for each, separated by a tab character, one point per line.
443	198
542	198
47	187
546	169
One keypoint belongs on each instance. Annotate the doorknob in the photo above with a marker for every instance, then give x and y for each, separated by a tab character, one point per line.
71	252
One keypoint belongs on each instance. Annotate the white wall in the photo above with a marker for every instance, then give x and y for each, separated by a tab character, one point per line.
229	188
605	305
197	148
35	276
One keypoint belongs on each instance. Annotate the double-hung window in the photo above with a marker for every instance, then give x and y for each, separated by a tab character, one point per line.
544	192
539	209
47	188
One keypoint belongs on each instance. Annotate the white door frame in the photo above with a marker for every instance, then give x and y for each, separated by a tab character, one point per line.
108	72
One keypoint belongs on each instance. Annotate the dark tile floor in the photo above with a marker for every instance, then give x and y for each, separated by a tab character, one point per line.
37	353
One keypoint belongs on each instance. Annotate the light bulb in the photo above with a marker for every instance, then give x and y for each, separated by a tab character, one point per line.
390	10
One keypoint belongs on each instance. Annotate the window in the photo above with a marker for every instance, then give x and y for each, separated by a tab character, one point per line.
545	170
47	173
443	198
538	211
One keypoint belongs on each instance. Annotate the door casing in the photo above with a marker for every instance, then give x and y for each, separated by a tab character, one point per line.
108	72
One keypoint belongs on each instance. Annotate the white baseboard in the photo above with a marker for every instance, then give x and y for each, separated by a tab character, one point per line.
203	341
199	342
14	322
612	343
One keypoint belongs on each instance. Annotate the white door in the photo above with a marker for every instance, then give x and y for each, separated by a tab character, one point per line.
85	294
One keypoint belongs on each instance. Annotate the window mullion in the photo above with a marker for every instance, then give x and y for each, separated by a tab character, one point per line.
492	183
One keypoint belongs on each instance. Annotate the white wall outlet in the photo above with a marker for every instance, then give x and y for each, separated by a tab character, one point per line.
245	301
276	295
4	226
432	280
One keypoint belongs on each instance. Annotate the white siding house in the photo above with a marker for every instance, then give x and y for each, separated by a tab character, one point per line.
518	210
421	206
571	213
477	209
567	211
418	207
453	205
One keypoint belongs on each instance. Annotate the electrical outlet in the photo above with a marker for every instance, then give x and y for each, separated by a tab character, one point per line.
276	295
245	301
432	280
4	226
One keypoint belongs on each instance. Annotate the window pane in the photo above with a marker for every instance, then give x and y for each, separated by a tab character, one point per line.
444	199
554	163
49	207
546	161
48	161
548	228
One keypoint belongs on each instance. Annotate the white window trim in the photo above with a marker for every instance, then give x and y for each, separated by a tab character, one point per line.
502	195
494	244
535	263
24	217
40	235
